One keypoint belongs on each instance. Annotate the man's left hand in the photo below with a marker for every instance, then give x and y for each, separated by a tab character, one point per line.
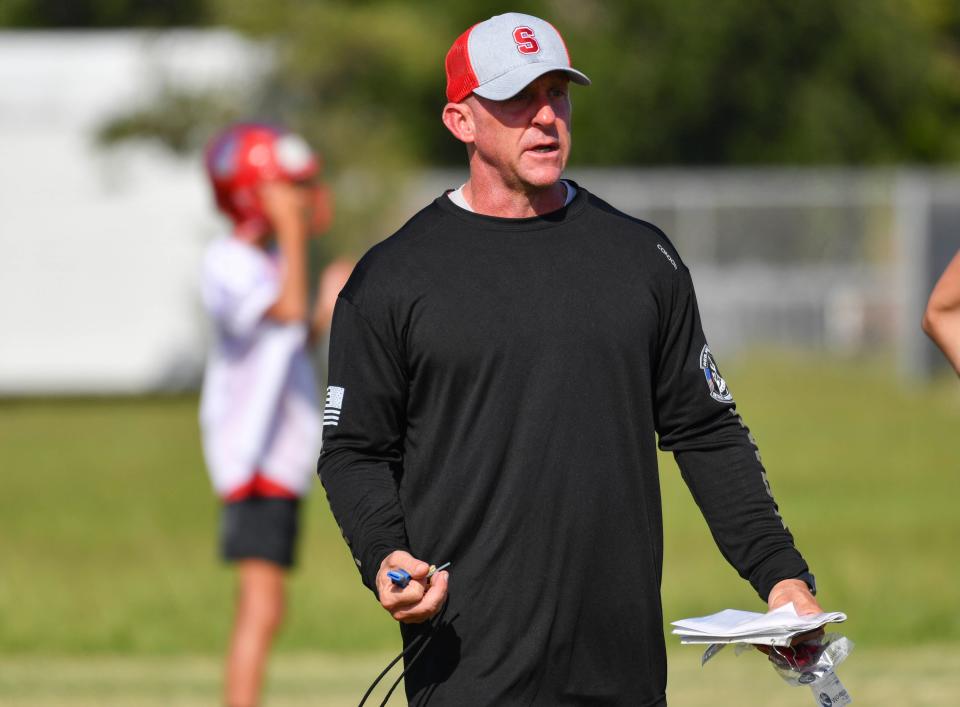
796	591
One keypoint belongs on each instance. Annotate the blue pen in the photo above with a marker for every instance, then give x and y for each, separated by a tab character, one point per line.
401	578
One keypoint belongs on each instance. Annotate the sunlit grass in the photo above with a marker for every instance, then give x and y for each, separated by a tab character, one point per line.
108	525
919	676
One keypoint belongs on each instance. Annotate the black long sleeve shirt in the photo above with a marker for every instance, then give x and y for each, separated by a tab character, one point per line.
497	390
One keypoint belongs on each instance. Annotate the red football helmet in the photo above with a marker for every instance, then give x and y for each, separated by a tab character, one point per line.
246	155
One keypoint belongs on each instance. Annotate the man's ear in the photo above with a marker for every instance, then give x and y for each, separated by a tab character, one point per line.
458	117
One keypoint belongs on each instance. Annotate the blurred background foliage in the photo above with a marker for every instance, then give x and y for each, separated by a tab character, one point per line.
98	14
676	82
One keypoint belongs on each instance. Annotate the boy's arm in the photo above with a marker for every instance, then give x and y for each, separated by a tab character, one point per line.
285	206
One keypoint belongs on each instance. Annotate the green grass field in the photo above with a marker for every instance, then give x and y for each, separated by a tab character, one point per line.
923	676
111	592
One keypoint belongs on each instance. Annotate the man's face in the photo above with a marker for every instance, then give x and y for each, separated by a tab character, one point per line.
525	139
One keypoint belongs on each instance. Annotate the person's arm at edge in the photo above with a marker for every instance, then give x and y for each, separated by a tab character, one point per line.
941	320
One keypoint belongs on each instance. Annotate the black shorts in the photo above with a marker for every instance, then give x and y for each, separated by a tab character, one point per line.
260	528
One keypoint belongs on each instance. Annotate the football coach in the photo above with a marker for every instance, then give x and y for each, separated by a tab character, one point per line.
502	370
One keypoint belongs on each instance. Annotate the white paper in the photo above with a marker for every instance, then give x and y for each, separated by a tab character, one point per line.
775	628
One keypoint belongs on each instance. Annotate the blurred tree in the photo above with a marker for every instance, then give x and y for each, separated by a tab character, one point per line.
734	82
181	121
689	82
102	13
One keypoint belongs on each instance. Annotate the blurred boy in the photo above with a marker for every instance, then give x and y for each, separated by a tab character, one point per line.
259	411
941	320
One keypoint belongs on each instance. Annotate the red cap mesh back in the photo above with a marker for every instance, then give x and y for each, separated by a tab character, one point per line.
461	80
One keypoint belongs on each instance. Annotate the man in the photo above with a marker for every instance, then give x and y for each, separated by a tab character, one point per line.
259	411
500	369
941	320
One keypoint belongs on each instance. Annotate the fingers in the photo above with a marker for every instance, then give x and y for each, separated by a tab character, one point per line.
421	599
429	604
797	640
803	603
809	636
807	605
796	591
402	560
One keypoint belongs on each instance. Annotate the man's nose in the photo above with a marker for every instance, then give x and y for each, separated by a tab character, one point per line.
545	114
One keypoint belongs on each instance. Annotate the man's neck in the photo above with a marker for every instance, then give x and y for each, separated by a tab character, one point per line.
499	200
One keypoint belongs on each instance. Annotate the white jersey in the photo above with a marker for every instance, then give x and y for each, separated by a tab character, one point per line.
259	412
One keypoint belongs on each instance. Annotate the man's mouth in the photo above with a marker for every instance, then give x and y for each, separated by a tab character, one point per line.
544	149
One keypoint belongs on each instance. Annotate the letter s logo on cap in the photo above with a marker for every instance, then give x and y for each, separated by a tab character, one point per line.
526	40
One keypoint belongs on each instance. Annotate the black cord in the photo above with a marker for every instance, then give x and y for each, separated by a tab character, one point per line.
393	662
413	644
407	667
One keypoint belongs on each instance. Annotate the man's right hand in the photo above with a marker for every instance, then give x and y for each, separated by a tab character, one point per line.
421	599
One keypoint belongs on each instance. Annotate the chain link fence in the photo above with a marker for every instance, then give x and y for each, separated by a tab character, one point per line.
832	260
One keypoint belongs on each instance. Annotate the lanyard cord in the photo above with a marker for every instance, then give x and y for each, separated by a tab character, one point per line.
406	668
413	644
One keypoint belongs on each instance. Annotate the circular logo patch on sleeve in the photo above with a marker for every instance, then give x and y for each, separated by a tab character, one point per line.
715	382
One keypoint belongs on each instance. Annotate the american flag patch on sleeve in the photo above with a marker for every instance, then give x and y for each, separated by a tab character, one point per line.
331	411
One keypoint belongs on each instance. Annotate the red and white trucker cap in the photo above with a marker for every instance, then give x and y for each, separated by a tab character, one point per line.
497	58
